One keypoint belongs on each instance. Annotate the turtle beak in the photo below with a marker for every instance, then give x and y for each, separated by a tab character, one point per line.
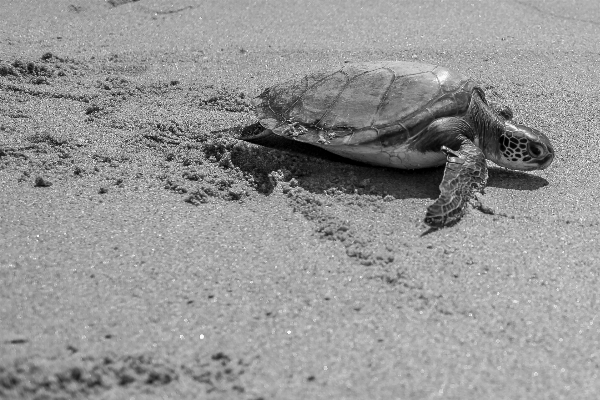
546	161
542	153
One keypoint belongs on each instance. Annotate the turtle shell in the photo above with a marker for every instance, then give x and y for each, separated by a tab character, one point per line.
367	111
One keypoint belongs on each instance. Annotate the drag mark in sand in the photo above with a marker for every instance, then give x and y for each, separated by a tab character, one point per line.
358	245
117	3
555	15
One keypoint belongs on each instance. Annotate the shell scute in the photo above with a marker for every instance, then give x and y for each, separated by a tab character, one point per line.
275	102
449	82
359	101
446	105
462	98
407	68
336	138
318	99
406	97
364	136
353	70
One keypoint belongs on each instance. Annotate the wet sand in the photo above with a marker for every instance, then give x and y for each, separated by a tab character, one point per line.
146	252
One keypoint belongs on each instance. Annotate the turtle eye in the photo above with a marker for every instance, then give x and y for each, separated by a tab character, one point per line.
536	150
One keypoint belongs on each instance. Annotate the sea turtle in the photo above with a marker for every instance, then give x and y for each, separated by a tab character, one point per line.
405	115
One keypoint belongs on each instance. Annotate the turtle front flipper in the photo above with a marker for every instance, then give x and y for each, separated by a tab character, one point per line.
465	173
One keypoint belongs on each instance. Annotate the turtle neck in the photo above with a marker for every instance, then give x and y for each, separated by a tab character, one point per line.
488	125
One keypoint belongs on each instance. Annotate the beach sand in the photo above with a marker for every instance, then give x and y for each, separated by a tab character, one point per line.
147	253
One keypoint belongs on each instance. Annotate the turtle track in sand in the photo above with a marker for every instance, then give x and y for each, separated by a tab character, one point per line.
105	129
216	375
87	129
117	124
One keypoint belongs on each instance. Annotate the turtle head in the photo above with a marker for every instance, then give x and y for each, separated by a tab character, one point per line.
522	148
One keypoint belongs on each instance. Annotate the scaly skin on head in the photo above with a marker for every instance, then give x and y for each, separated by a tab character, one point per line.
509	145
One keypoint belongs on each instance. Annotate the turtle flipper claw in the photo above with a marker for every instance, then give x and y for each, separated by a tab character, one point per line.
452	155
448	151
465	173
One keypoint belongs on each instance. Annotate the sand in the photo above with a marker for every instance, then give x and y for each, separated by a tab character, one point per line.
145	252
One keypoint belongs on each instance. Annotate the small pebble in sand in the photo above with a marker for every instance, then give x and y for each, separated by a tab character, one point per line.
41	182
6	69
92	109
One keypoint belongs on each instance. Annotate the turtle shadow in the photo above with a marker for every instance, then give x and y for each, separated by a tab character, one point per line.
514	180
317	170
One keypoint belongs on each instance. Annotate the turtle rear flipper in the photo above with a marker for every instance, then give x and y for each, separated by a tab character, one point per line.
465	173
